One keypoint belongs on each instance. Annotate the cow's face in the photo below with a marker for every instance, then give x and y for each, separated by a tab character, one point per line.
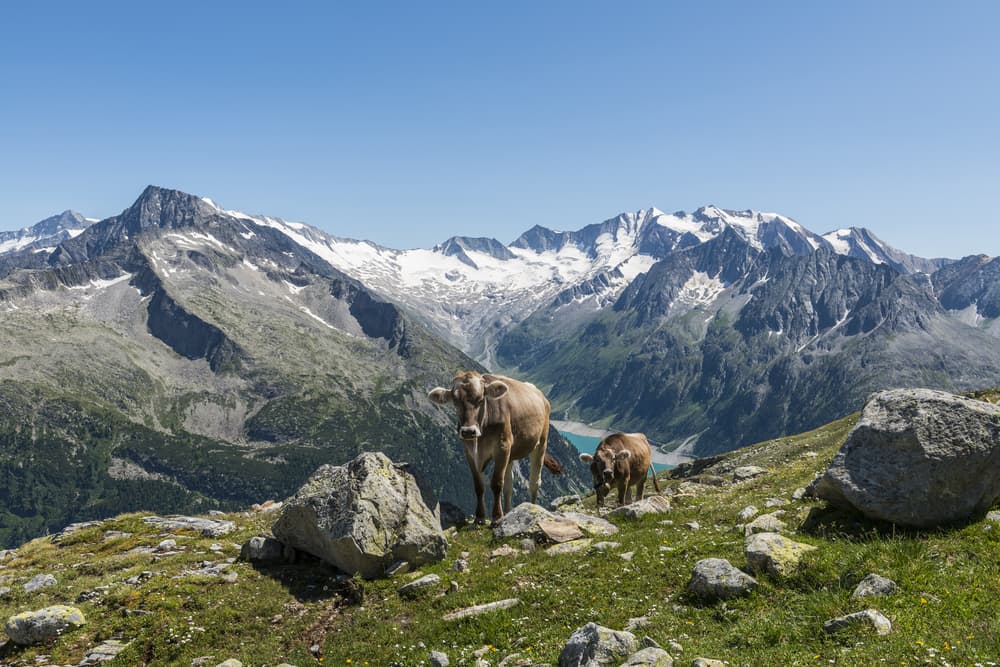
604	467
469	392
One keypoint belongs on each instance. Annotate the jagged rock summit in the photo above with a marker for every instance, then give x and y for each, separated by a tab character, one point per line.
918	458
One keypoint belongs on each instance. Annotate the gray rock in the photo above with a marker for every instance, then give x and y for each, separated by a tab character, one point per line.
605	546
569	547
880	623
563	501
594	526
74	528
717	579
362	517
692	525
439	659
38	582
560	530
596	646
165	545
262	549
744	473
993	516
948	446
460	565
747	513
775	502
640	508
5	554
522	521
115	534
480	609
4	590
798	494
874	586
775	554
231	662
450	515
35	627
636	623
675	646
528	545
649	657
103	652
207	527
418	587
765	523
707	662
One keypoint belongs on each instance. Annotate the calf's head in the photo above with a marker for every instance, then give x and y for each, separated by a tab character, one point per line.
469	392
605	466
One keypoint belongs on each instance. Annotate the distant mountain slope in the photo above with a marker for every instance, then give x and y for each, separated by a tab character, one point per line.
215	358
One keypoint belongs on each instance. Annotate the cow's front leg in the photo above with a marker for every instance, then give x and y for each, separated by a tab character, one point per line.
501	462
477	482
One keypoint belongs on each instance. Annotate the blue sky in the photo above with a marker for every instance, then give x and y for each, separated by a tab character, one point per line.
407	123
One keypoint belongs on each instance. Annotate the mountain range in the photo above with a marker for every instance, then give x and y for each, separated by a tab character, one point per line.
181	354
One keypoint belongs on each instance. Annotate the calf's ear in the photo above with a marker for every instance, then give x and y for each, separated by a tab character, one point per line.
440	395
586	458
623	455
496	389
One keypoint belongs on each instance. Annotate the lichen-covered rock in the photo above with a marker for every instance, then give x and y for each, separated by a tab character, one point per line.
569	547
418	587
640	508
207	527
775	554
765	523
744	473
874	586
36	627
747	513
592	525
717	579
38	582
875	618
707	662
947	447
103	652
596	646
649	657
522	521
439	659
362	517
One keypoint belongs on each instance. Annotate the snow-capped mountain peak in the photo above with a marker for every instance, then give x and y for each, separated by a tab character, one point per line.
44	234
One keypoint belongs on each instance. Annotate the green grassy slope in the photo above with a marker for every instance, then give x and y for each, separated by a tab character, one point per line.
946	613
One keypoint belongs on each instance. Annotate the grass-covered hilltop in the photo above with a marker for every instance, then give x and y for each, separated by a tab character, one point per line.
173	603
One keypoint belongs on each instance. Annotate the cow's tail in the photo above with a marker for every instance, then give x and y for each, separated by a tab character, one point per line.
552	465
656	485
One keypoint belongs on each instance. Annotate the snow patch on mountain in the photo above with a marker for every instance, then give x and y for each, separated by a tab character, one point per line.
700	289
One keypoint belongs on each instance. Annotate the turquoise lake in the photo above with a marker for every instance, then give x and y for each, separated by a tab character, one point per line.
588	444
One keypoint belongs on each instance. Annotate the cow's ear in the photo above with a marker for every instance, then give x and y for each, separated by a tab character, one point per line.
496	389
440	395
623	455
586	458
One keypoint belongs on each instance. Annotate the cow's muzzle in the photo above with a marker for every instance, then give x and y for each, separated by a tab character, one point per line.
469	432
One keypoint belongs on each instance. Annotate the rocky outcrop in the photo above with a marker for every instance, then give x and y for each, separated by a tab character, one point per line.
716	579
362	517
36	627
596	646
207	527
530	520
919	458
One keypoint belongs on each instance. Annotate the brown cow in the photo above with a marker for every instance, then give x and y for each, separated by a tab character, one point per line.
622	459
502	420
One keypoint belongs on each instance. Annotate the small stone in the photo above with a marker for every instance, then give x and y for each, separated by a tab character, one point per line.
775	502
528	545
453	587
215	546
480	652
692	525
103	652
165	545
675	646
717	579
707	662
636	622
397	568
569	547
461	565
116	534
202	661
798	494
744	473
593	645
262	549
879	622
419	586
874	586
231	662
774	553
651	505
38	582
628	555
765	523
605	546
4	590
439	659
504	551
649	657
747	513
480	609
648	642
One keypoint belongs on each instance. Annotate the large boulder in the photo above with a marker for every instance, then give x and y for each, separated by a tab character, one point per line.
716	579
596	646
919	458
36	627
362	517
774	553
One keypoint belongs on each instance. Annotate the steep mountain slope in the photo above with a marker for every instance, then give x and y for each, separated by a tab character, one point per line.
215	359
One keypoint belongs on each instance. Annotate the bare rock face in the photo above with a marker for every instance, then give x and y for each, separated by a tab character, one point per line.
362	517
919	458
